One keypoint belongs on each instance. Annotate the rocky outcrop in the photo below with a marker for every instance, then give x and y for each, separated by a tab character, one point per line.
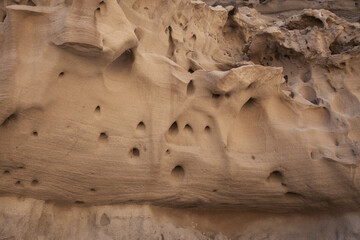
245	106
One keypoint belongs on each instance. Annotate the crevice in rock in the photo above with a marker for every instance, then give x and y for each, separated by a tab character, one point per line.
9	119
171	49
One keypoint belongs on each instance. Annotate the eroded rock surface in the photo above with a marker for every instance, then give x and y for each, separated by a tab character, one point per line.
242	106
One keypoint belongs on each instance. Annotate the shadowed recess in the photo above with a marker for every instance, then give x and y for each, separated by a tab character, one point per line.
188	128
103	136
178	172
9	119
173	130
134	152
141	127
190	88
275	177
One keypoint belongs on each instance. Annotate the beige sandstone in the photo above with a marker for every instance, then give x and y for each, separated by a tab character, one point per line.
154	119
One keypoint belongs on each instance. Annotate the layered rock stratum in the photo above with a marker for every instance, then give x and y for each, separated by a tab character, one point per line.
154	119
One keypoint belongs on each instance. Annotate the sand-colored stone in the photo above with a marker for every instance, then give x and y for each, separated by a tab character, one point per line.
149	119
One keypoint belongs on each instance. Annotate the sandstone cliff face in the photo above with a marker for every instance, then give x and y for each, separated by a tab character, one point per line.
218	107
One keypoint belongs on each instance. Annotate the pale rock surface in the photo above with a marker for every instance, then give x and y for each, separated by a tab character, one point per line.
177	119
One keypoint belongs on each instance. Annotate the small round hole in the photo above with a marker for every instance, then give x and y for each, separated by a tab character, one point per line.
92	189
18	183
61	74
35	133
34	182
135	152
6	172
103	136
178	172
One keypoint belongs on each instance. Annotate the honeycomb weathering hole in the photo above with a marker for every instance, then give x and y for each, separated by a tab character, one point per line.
134	152
309	94
188	128
207	129
103	136
304	22
276	177
174	129
178	172
141	127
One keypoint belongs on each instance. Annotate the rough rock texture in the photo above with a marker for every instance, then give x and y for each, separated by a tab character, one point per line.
34	219
249	106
